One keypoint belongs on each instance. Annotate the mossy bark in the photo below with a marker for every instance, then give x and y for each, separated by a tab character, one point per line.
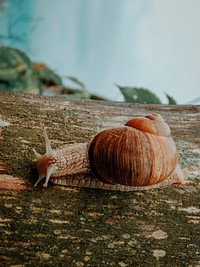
60	226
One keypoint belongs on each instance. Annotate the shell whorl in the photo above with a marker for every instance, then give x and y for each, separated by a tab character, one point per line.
153	124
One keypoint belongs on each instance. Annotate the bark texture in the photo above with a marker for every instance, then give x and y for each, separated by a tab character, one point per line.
63	226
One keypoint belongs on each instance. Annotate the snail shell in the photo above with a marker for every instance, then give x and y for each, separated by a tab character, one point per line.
142	153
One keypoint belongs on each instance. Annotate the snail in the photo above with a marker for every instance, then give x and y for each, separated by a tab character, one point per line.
139	155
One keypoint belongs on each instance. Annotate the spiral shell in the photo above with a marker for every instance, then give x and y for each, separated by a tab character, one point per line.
141	153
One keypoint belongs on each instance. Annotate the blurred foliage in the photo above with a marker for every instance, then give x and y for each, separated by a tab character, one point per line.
16	70
171	100
142	95
45	75
76	81
19	74
46	78
79	91
139	95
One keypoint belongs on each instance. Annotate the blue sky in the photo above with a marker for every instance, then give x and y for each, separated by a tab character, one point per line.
146	43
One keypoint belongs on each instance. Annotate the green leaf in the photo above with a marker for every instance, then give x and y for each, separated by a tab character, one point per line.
139	95
75	80
171	100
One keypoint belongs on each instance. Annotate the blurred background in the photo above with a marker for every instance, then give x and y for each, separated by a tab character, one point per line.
112	49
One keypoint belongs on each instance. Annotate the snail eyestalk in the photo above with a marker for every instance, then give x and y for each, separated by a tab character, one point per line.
49	150
36	153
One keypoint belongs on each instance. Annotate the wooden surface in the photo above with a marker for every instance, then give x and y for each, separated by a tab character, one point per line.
60	226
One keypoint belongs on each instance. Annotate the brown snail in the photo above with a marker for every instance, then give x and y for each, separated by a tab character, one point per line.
139	155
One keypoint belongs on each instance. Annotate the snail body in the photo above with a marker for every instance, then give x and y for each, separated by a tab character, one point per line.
139	155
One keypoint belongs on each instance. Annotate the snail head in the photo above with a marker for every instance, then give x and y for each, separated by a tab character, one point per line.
45	164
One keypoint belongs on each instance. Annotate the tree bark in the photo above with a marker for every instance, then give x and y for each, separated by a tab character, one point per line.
61	226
